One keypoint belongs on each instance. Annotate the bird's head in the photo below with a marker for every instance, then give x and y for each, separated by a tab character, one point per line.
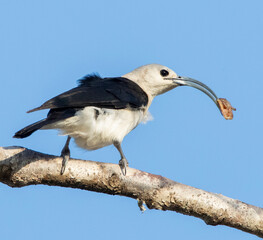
156	79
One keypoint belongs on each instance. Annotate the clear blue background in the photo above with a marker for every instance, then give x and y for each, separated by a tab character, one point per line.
45	46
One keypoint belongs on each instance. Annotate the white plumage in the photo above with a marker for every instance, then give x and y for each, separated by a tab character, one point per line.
94	128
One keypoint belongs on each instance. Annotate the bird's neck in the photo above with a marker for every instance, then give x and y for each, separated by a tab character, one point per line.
142	85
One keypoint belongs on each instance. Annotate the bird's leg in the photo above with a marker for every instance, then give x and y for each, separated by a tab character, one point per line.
123	163
65	153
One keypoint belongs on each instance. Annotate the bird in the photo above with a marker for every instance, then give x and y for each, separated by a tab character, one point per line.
102	111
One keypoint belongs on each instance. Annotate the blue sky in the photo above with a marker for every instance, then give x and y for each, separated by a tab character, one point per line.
47	45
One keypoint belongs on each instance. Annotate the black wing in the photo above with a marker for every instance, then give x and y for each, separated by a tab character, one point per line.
114	93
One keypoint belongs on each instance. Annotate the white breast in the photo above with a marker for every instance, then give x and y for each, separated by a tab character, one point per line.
94	128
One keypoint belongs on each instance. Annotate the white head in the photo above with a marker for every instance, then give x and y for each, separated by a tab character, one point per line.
151	78
156	79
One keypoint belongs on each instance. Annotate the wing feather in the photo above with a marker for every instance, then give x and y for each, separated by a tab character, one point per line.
114	93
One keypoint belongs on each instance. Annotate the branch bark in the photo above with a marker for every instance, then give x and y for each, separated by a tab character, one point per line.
22	167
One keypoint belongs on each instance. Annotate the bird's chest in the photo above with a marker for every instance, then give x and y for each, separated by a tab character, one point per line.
94	128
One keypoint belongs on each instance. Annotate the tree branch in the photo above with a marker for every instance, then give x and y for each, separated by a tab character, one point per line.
21	167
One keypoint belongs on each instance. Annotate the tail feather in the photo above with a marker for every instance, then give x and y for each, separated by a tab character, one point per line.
27	131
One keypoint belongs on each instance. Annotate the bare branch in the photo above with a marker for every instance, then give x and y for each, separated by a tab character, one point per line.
21	167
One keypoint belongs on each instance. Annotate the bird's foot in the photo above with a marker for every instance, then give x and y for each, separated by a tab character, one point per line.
123	163
65	154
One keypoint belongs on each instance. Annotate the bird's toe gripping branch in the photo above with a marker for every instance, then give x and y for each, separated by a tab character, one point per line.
123	163
65	154
64	163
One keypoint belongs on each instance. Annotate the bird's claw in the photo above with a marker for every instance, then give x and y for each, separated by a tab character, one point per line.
65	154
123	163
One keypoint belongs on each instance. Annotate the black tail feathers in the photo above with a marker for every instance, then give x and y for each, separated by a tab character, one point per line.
27	131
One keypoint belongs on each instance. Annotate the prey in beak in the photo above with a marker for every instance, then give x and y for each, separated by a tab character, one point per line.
223	105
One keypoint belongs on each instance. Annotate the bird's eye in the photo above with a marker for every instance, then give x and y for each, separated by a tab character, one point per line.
164	73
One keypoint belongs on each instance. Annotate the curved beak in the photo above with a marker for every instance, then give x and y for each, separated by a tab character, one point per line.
186	81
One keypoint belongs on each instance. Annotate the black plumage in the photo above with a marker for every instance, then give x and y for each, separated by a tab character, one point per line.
112	93
54	115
